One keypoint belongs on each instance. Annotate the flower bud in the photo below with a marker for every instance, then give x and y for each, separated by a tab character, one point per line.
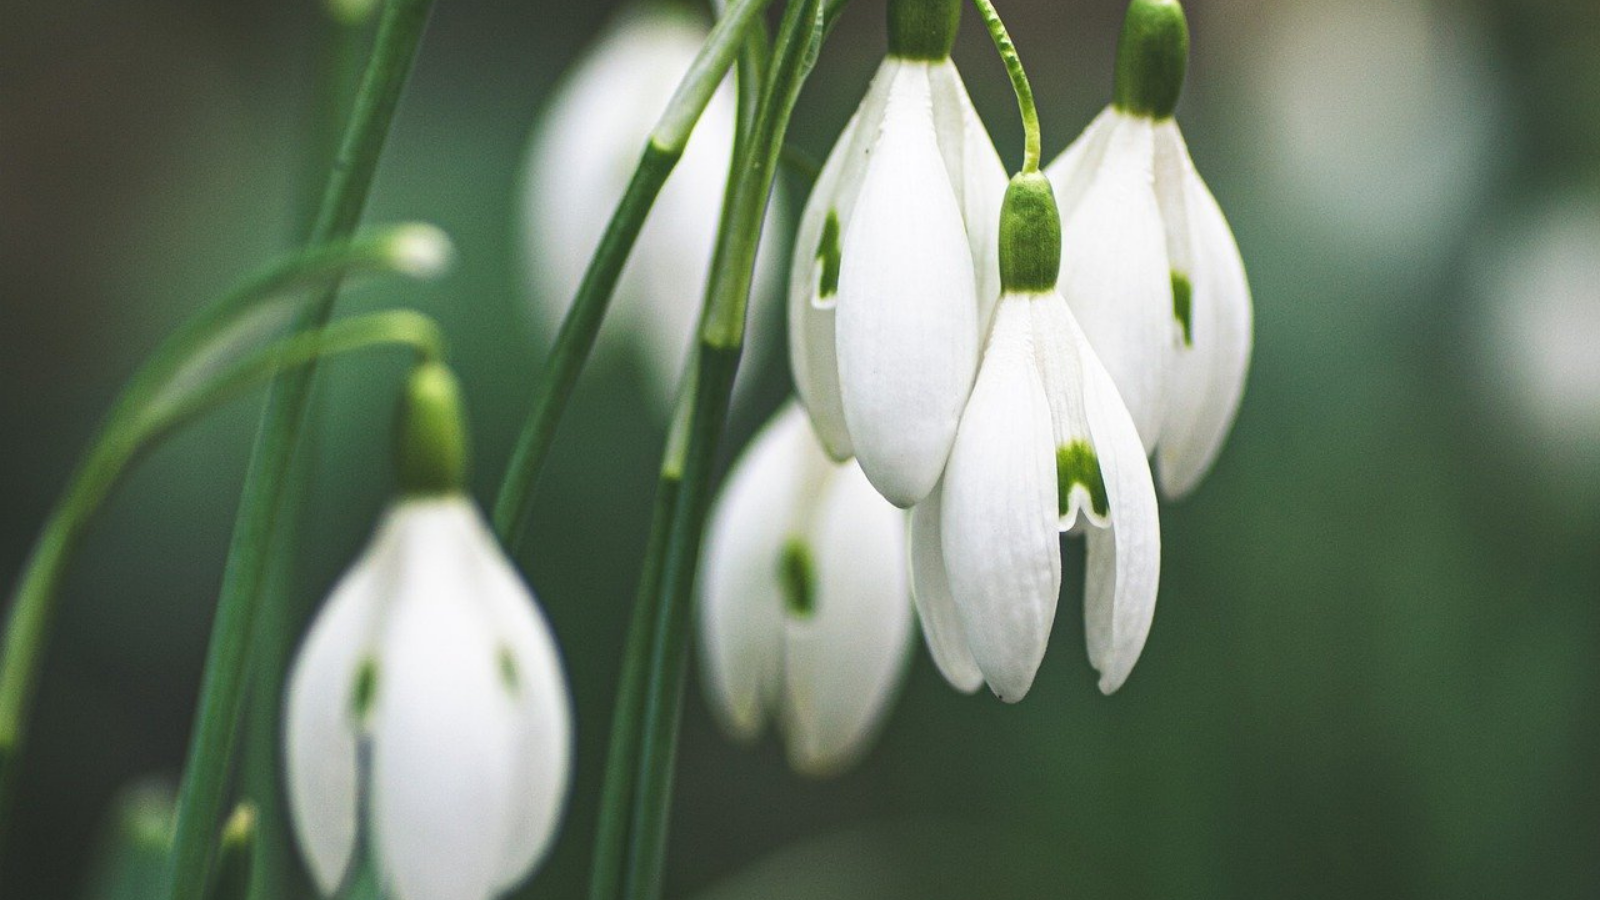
1030	236
1151	56
432	452
923	29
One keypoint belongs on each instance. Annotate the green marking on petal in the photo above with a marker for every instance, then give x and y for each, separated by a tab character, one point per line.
828	254
508	670
797	573
366	689
1183	305
1076	464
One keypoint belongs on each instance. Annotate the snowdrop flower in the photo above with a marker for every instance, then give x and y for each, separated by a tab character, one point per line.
427	717
1148	262
894	269
582	155
1045	445
805	611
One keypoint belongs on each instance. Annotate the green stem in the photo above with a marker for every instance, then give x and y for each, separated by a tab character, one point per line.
716	363
34	602
582	323
275	871
1019	83
202	793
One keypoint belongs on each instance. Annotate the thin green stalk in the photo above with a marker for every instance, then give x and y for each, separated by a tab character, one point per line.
716	363
34	603
1019	83
582	323
627	719
203	790
275	871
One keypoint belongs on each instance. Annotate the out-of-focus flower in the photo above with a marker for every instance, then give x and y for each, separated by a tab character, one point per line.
1148	262
1380	119
428	699
805	611
583	153
1540	289
894	269
1045	445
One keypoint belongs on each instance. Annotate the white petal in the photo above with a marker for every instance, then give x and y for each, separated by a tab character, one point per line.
531	662
844	662
1208	374
999	518
978	176
741	606
930	587
1074	170
321	731
1123	561
1116	276
907	317
444	729
813	272
1059	348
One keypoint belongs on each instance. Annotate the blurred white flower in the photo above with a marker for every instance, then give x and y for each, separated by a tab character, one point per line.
1045	446
894	274
582	155
1381	119
1149	264
805	611
1541	290
428	712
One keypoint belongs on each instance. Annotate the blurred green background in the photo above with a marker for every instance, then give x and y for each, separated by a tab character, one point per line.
1375	669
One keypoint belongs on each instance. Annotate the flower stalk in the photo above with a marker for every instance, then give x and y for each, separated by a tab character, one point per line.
202	793
720	343
581	326
1019	83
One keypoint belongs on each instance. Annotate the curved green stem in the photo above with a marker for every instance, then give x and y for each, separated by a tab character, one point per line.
687	468
1019	83
210	333
203	790
576	338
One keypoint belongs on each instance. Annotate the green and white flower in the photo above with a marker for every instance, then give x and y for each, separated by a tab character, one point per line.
428	721
1148	262
894	270
1045	446
805	614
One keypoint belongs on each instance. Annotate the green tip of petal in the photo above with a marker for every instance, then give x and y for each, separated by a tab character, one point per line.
432	452
828	255
1151	57
365	690
923	29
797	573
1183	306
1078	466
1030	235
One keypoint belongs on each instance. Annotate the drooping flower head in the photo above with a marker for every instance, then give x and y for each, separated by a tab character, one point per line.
894	267
1045	446
1148	262
583	152
427	716
805	613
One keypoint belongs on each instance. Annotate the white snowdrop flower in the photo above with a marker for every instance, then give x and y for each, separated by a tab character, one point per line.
804	612
1149	265
427	716
583	153
1045	446
894	272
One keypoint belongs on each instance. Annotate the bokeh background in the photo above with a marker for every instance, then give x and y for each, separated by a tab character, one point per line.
1375	670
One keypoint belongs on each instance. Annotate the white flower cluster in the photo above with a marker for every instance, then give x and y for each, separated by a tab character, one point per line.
1001	361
